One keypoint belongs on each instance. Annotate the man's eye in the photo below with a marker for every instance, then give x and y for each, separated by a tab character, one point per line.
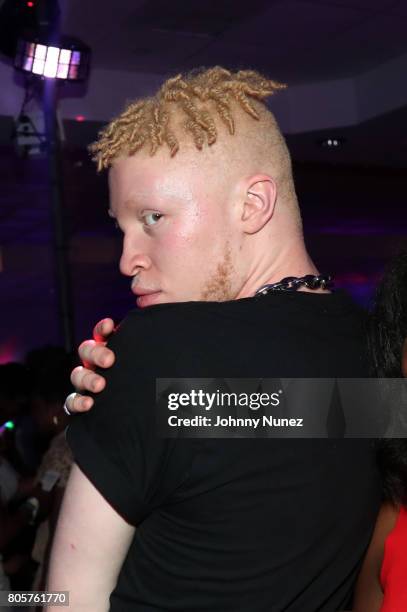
152	218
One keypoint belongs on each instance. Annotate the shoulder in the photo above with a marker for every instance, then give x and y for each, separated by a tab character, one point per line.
171	311
160	328
385	523
369	593
386	520
148	322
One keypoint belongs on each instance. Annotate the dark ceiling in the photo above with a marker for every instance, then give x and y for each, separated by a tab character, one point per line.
297	41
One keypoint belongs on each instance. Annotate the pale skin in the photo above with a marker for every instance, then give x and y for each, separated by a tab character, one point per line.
188	238
90	544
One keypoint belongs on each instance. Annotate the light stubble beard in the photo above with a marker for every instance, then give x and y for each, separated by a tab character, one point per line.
219	286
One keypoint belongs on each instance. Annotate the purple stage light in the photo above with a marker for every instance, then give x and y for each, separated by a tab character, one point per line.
69	61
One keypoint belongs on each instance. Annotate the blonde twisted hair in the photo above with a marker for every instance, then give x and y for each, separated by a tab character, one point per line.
147	121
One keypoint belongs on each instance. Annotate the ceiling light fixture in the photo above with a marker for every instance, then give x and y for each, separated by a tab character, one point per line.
331	143
69	61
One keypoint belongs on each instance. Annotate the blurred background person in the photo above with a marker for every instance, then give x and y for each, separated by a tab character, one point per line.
382	582
30	492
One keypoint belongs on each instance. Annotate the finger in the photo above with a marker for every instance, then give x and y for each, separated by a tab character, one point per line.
75	402
94	354
85	352
103	329
86	380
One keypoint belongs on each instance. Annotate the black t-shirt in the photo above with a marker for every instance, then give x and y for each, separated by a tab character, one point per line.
232	524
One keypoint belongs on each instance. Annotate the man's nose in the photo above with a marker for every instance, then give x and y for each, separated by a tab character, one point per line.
133	258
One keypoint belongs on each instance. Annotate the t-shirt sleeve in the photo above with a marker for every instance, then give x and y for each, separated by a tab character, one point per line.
116	444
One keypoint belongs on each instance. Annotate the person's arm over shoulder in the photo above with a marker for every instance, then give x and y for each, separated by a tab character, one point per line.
123	469
116	444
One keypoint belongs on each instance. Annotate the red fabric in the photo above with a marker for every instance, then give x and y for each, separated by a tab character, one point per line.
393	574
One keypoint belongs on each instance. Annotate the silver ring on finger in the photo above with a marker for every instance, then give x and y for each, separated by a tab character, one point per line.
71	396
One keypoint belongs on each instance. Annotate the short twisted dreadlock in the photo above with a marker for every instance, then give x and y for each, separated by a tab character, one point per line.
148	121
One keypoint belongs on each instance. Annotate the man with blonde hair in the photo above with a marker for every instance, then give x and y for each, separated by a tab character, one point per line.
201	186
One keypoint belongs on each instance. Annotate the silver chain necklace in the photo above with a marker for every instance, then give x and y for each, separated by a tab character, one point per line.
293	283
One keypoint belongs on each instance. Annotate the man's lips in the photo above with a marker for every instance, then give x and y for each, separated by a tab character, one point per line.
140	291
146	297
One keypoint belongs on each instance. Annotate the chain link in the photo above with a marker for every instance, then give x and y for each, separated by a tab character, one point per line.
292	283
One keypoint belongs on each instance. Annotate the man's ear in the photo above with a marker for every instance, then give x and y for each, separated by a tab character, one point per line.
259	202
